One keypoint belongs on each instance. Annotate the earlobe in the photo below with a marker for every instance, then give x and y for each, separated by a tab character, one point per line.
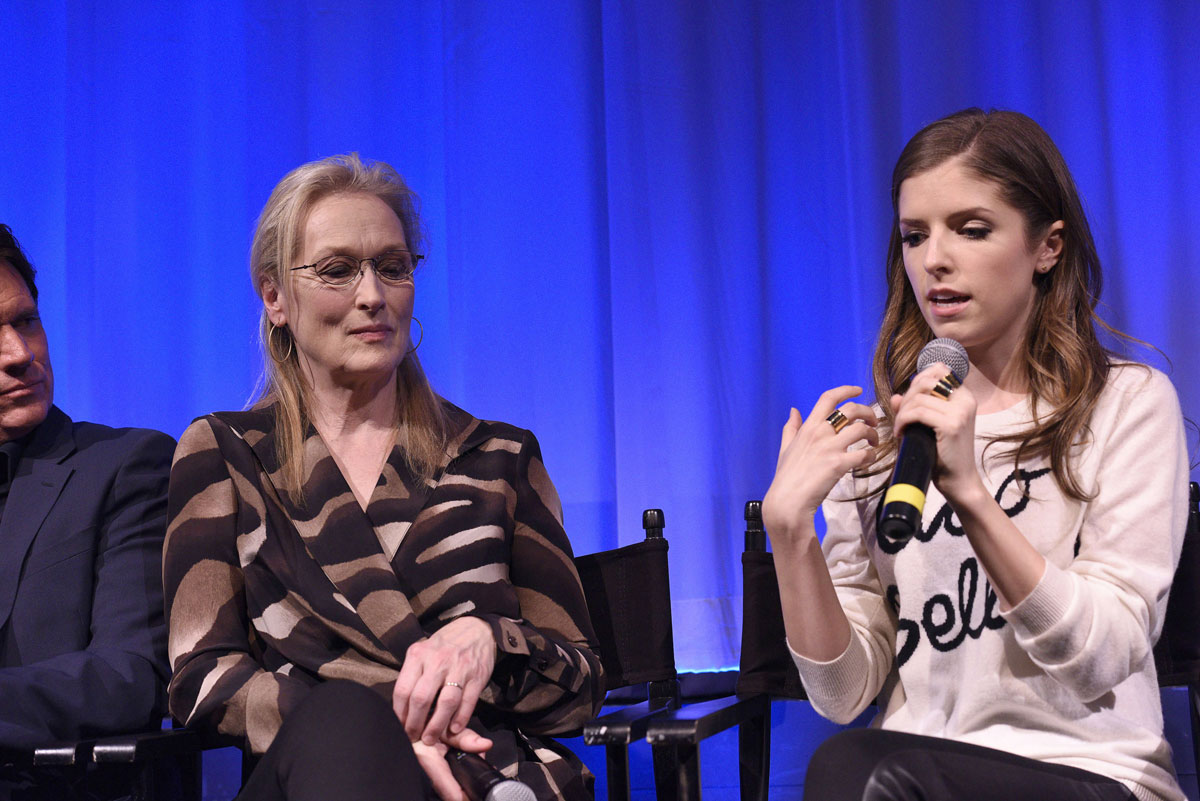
1052	247
274	303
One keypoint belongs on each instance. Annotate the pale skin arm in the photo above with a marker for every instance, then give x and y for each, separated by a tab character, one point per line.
812	457
1013	566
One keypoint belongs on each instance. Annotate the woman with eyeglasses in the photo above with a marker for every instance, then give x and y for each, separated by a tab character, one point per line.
1008	640
361	576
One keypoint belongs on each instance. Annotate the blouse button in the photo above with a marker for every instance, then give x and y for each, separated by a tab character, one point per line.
512	641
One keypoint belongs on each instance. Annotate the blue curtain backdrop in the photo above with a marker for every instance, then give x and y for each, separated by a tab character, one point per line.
654	225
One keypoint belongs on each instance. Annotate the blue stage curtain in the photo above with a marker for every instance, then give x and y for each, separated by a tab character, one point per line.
654	225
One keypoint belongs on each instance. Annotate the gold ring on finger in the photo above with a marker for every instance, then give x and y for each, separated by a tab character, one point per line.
837	420
945	386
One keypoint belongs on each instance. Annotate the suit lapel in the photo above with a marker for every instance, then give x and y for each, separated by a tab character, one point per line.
36	487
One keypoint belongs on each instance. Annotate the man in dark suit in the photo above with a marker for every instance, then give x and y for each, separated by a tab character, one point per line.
82	518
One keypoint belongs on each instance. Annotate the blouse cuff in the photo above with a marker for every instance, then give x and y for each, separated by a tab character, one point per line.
526	658
510	639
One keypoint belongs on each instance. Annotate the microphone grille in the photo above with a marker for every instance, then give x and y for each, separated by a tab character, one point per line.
511	790
947	351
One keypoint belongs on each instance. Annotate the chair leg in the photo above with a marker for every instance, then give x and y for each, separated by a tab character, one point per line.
1194	707
677	772
617	771
175	777
754	756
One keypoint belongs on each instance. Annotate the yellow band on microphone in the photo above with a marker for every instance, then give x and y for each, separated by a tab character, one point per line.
905	493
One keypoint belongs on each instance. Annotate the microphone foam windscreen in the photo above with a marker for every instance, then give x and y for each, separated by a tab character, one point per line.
947	351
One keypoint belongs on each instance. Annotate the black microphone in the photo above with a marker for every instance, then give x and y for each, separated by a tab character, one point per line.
904	501
482	782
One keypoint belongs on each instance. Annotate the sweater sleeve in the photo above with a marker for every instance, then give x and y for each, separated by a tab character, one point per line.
842	688
218	683
1093	623
548	676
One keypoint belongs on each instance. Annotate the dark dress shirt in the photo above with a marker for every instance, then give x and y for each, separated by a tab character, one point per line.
10	454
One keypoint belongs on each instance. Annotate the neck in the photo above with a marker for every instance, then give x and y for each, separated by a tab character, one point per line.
997	381
340	412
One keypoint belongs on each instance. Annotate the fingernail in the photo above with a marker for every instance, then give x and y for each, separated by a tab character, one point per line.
455	728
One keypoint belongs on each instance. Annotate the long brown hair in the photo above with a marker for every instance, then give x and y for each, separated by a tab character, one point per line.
1066	366
420	419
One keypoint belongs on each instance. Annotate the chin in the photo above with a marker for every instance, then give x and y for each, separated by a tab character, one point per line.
16	423
372	368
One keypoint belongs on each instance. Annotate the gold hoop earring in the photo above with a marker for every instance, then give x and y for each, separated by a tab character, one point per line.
273	349
420	338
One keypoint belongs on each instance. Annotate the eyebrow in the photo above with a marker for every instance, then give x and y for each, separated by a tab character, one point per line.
974	211
352	250
21	312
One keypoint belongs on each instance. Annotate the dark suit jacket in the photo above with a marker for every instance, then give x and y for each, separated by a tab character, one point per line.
82	636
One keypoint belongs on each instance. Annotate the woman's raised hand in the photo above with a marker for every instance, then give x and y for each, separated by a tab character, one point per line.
440	682
813	456
952	419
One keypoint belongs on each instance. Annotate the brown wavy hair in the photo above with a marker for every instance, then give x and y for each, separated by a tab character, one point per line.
420	417
1066	366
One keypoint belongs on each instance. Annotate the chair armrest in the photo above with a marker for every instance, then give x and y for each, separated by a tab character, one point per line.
624	725
64	753
58	754
155	744
695	722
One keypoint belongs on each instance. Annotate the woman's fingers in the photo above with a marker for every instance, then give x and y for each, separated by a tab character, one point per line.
790	429
432	759
442	677
466	707
813	456
449	702
858	430
410	672
860	411
421	699
832	398
468	740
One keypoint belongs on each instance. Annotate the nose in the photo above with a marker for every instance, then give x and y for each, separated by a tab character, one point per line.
936	256
15	354
368	294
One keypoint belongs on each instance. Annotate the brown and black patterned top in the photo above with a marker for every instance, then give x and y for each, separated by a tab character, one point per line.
267	595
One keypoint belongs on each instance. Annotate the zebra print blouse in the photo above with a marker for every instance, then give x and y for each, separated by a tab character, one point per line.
268	594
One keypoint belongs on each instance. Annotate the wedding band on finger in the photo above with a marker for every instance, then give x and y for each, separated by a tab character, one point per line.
453	684
945	386
838	421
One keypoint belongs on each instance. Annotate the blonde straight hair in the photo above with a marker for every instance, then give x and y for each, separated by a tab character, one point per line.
421	422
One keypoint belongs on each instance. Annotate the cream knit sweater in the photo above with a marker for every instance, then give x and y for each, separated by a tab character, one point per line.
1066	676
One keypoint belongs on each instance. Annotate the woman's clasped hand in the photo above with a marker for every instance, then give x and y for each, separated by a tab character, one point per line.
440	682
435	695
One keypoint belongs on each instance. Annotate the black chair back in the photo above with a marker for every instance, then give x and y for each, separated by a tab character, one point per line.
628	592
1177	653
765	667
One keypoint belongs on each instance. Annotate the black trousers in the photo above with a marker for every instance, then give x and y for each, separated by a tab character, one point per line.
878	765
342	742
